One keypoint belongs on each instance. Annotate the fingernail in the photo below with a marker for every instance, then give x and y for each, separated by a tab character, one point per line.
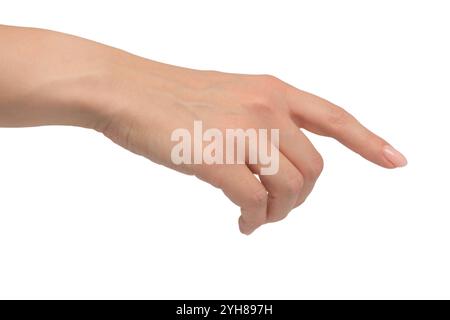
394	157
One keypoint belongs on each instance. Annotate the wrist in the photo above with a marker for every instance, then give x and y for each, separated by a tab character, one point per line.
92	99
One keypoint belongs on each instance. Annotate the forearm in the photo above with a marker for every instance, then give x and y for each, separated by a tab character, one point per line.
52	78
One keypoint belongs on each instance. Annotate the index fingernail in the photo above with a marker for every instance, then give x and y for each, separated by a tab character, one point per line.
394	156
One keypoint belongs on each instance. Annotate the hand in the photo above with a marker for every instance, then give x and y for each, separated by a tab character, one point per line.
152	100
139	104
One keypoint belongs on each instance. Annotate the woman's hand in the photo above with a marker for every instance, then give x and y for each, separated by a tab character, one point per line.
139	104
150	101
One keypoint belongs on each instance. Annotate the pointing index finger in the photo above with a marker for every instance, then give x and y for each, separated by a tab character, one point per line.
324	118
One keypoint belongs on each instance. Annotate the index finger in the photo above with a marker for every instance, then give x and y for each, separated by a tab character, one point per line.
325	118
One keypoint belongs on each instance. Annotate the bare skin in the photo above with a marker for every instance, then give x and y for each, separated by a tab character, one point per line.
50	78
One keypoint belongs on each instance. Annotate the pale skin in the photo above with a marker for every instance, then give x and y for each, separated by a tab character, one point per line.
50	78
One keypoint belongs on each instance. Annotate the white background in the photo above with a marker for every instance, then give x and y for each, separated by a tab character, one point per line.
82	218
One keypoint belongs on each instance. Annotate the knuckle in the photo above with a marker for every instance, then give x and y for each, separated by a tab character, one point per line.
268	80
258	198
264	105
260	109
316	165
261	103
338	117
294	184
262	94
